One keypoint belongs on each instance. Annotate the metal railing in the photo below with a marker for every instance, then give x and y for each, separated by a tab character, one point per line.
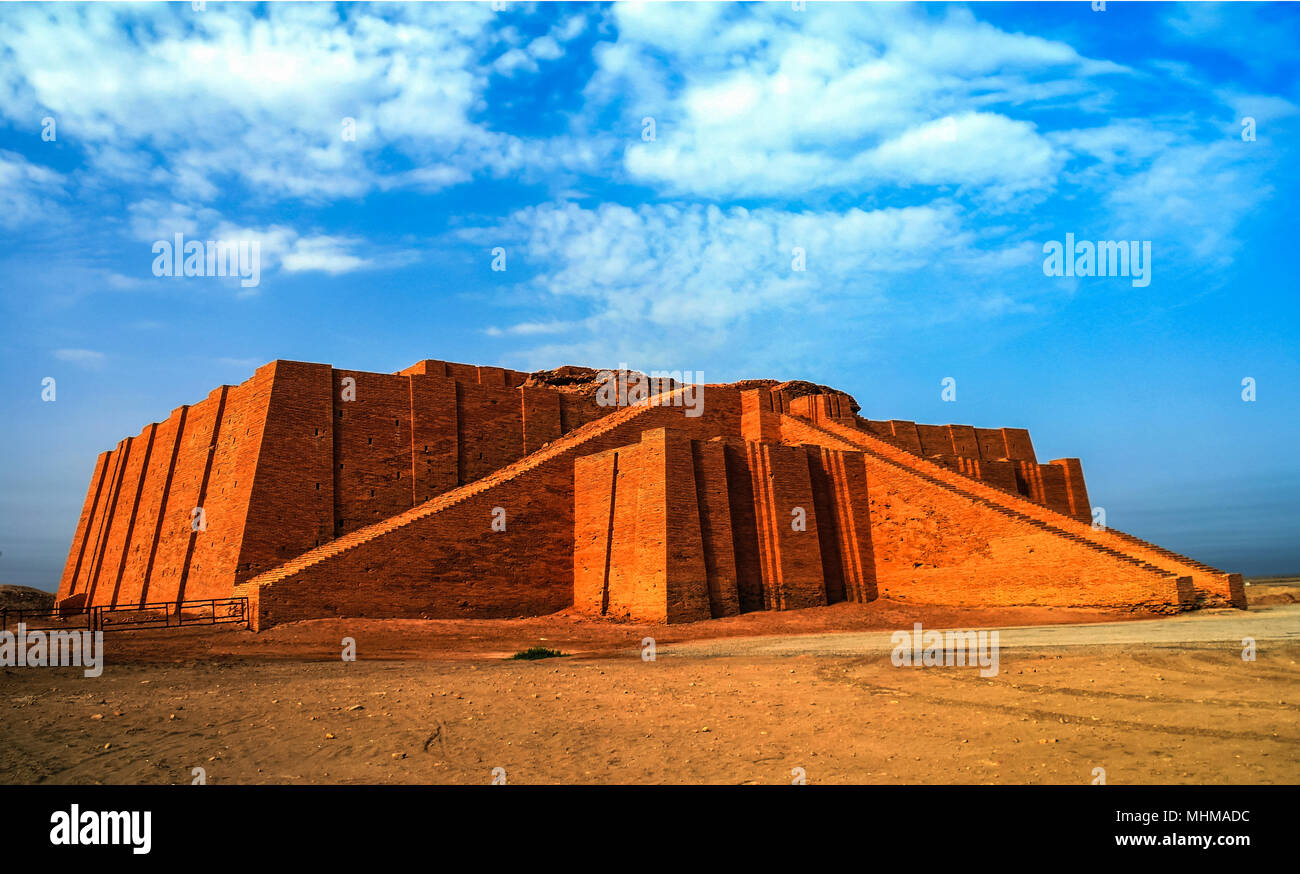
171	614
66	618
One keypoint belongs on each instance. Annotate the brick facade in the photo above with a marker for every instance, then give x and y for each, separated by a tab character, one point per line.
454	490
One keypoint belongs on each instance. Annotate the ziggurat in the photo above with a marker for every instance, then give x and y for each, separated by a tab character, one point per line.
450	490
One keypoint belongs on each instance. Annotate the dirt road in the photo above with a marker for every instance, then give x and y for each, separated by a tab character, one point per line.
1224	628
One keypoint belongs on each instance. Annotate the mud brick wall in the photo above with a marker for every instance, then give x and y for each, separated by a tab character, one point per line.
638	546
108	514
722	405
117	536
1198	583
934	546
641	550
234	455
1056	495
142	550
189	484
491	428
446	561
652	531
382	506
823	495
602	487
1000	474
789	559
820	406
435	449
744	525
576	411
1076	489
935	440
542	417
282	463
992	443
759	418
1001	457
839	482
497	376
291	507
670	548
372	448
140	544
964	441
713	497
906	434
1029	480
1019	446
880	429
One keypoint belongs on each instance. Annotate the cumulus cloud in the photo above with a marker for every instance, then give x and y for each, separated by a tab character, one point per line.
193	101
689	274
775	103
950	122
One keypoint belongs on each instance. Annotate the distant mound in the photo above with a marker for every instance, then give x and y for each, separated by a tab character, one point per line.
25	598
1261	596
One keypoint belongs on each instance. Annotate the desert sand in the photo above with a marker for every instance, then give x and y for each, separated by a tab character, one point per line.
758	699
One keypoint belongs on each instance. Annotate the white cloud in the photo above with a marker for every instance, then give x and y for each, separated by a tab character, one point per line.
280	246
192	101
978	149
322	254
545	48
29	193
1192	197
570	28
651	280
845	98
1264	108
514	60
1259	36
528	329
82	357
1157	179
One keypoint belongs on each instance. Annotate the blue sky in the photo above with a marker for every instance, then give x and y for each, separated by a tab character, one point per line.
920	156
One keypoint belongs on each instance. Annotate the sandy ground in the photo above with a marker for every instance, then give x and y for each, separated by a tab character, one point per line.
1151	701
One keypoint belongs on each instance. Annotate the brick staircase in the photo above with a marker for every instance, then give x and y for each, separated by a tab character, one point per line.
1181	560
448	499
1211	586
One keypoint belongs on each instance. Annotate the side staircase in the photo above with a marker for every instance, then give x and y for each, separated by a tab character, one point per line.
446	500
1211	586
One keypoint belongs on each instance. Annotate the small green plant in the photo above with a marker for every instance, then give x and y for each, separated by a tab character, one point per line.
537	652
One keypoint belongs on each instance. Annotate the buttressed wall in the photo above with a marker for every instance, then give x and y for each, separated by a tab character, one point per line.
293	458
453	490
672	529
